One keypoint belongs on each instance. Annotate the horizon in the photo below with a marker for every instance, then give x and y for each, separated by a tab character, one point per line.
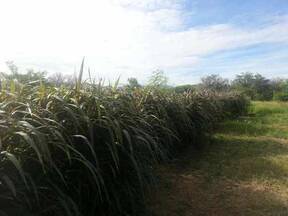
131	38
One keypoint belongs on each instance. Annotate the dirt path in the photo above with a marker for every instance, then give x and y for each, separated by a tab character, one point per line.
244	171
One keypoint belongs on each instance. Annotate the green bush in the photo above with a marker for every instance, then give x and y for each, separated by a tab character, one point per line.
281	96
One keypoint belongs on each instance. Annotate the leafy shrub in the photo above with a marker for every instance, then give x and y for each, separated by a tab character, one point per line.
281	96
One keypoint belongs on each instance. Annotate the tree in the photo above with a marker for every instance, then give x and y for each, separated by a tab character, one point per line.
215	83
245	80
244	83
280	90
263	88
256	86
133	83
27	77
277	84
58	79
12	67
184	88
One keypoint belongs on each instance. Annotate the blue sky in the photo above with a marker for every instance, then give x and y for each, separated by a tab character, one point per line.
187	39
267	58
246	12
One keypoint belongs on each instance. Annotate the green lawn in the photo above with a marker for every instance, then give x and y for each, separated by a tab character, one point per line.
243	170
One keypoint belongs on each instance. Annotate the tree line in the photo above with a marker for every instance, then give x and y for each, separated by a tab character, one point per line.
253	85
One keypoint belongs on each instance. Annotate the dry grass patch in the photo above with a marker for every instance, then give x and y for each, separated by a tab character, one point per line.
243	171
192	194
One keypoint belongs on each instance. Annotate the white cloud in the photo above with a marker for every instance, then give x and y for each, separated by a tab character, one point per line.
127	37
150	5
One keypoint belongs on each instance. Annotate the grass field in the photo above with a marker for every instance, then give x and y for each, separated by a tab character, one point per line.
244	170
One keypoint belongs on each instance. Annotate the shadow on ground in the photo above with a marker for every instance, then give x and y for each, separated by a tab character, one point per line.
242	170
235	174
187	195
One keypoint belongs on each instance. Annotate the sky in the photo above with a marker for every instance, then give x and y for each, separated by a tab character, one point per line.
187	39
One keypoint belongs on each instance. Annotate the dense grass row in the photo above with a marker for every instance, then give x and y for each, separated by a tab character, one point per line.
91	150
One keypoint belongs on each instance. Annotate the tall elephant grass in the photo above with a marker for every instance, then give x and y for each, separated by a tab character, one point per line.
91	150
